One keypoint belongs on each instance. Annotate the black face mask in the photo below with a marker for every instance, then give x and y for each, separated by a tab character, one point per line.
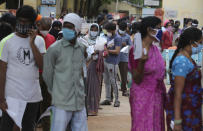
54	32
23	29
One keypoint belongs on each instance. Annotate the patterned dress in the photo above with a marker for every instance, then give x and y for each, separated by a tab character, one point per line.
191	96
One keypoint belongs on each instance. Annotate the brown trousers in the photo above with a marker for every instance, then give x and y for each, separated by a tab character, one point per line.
123	67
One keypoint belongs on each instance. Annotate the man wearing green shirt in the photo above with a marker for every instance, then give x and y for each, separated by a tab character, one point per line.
62	72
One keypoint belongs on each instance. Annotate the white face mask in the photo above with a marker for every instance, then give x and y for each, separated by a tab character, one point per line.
109	34
44	32
95	57
121	32
93	33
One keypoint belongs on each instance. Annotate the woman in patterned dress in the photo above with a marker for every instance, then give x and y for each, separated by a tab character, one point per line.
184	99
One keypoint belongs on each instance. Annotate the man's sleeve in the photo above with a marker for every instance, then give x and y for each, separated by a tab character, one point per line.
48	67
118	41
40	43
4	49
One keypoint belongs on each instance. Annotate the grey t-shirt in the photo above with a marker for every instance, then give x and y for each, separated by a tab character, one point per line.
22	76
113	42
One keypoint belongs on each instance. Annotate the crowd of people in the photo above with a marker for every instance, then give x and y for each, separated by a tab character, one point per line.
50	63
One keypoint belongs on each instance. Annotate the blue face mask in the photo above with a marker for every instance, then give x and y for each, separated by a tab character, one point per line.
196	50
68	34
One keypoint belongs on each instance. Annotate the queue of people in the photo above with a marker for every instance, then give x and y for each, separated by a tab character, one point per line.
50	64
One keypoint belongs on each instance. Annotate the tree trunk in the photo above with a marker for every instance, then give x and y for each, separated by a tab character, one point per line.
76	6
65	3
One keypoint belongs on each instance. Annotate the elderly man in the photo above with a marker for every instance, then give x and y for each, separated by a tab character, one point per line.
63	67
43	26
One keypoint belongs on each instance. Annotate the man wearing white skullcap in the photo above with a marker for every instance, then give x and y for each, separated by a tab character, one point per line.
62	72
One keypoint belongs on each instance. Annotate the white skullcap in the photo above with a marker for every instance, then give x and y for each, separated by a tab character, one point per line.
74	19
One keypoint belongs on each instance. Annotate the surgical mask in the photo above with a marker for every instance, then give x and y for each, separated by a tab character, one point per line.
109	34
95	57
68	34
93	33
44	32
170	29
23	29
196	50
121	32
156	36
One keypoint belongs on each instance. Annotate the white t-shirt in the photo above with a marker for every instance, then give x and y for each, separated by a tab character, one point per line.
22	77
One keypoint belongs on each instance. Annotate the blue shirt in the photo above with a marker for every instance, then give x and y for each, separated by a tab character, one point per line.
125	39
113	42
181	66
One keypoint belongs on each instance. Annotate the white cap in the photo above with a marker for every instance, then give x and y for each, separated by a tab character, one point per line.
74	19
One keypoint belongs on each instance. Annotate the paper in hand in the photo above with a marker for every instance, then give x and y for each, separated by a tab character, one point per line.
137	46
125	49
16	109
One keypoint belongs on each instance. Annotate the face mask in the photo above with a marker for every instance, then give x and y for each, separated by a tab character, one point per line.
109	34
170	28
93	33
44	32
121	32
68	34
157	35
196	50
95	57
23	29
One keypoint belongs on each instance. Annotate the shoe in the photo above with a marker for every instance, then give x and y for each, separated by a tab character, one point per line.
111	99
117	104
125	93
105	102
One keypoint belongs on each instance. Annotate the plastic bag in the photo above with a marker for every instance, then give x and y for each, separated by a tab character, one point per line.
100	43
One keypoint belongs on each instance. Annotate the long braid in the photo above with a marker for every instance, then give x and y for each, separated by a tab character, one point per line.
187	37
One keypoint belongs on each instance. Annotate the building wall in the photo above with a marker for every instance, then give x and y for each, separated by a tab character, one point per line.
184	9
121	6
3	6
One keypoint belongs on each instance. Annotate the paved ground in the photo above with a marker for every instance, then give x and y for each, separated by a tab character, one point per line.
111	118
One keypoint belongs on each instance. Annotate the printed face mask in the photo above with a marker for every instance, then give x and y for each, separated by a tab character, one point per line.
156	35
68	34
23	29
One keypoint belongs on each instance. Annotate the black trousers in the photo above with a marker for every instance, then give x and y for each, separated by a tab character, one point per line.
123	67
44	105
28	122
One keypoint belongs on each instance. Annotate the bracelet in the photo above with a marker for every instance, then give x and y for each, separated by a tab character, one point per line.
177	122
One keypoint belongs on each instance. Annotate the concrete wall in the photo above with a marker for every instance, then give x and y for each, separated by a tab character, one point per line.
123	6
184	9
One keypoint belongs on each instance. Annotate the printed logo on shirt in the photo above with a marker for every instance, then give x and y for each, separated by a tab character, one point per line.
24	56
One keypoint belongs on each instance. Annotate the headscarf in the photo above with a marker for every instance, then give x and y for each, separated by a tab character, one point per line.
75	20
166	22
92	40
94	24
53	31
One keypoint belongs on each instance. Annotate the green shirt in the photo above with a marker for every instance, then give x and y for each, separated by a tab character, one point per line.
62	72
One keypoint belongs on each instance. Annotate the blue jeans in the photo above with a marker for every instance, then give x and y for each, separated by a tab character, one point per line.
61	118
